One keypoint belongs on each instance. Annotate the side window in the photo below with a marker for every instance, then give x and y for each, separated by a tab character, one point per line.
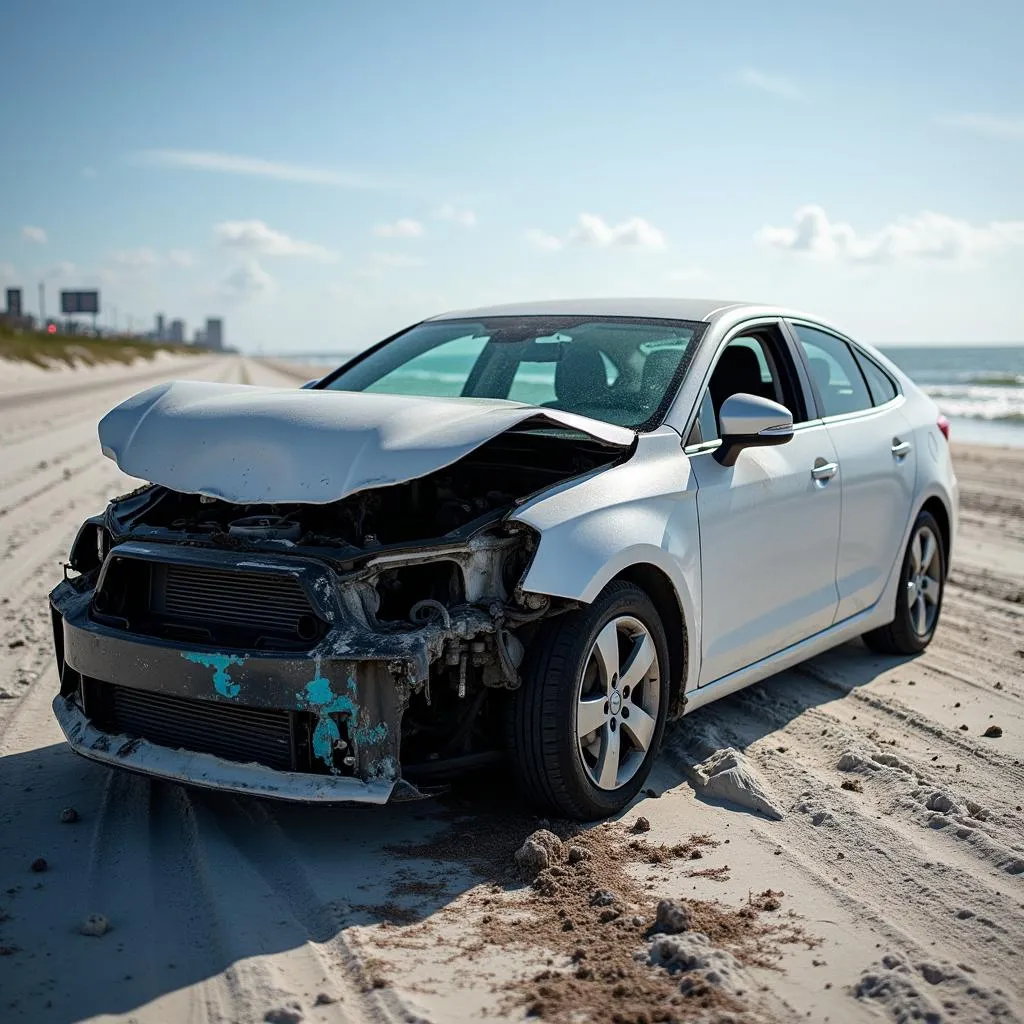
835	371
757	348
754	364
880	384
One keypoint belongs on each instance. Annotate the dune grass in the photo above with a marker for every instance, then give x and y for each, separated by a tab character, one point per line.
47	350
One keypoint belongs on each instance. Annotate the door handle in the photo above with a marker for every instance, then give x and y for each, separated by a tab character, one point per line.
824	470
900	449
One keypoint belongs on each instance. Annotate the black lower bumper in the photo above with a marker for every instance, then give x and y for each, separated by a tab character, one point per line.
346	697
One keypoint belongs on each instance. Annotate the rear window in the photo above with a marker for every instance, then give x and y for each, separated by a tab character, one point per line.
882	387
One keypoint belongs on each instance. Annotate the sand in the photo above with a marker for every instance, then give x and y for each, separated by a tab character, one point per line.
869	866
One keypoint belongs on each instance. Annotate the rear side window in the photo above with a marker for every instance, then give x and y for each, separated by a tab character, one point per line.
880	384
835	371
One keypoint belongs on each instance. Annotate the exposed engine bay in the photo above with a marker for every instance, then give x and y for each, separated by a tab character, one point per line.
383	625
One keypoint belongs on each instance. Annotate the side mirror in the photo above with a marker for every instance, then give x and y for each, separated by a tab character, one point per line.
748	421
310	384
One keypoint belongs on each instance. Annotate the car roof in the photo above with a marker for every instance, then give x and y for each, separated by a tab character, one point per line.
660	309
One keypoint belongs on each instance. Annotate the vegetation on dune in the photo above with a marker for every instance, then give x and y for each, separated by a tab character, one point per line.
47	350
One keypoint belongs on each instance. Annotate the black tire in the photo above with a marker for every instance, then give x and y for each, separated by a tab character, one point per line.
902	636
550	763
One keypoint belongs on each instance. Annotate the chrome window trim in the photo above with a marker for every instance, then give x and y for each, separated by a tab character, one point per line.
861	414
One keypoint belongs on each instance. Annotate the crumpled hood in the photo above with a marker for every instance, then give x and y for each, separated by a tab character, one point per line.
252	445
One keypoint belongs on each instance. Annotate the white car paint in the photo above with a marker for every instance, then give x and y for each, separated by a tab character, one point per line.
251	445
769	537
640	512
878	491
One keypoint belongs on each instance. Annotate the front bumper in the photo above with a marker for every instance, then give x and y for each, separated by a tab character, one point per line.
209	772
348	694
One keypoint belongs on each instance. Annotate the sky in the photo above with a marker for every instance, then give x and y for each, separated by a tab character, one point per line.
322	174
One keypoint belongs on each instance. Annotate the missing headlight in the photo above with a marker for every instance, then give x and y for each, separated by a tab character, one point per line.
91	546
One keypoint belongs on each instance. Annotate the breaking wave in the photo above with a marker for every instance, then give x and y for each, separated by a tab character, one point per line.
982	401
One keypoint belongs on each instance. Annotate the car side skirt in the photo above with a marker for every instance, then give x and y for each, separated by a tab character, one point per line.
848	629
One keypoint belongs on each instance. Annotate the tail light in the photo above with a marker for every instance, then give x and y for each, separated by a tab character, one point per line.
943	425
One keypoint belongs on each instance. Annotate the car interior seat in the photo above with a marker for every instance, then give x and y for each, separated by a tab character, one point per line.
738	372
838	397
581	381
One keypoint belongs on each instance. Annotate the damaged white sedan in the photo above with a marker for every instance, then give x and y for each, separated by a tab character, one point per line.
526	532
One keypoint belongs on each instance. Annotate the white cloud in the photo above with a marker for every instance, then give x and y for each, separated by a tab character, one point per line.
542	240
592	230
926	235
227	163
993	126
395	260
61	271
33	234
181	258
256	237
8	272
634	232
465	218
247	281
775	85
404	227
136	259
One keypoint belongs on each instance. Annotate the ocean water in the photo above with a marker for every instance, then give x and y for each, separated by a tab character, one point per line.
980	389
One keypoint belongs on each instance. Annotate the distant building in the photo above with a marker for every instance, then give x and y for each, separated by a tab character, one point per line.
161	334
14	302
214	333
199	338
176	332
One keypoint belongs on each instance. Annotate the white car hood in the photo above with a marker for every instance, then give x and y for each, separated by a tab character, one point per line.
253	445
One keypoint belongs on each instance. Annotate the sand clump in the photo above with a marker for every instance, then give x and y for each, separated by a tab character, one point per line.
930	991
703	965
540	850
730	775
95	925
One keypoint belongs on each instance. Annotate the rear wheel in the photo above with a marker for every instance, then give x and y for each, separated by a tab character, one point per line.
919	600
587	722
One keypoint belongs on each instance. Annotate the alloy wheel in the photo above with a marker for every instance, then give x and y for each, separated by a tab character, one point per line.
924	582
618	702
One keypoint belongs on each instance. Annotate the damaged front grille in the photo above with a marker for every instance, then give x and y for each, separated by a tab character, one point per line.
222	606
274	602
274	738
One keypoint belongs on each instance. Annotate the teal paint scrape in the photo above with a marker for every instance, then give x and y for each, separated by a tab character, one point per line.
220	663
318	696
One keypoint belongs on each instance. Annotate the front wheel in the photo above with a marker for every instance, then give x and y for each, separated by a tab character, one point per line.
919	600
586	724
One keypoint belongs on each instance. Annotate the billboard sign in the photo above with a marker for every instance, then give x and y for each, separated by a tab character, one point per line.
79	302
14	302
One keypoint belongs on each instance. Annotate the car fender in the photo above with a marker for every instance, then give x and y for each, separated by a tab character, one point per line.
640	512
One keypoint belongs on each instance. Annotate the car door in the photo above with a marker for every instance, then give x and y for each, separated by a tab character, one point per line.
863	413
769	525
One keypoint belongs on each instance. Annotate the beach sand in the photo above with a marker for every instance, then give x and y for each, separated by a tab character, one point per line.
881	878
